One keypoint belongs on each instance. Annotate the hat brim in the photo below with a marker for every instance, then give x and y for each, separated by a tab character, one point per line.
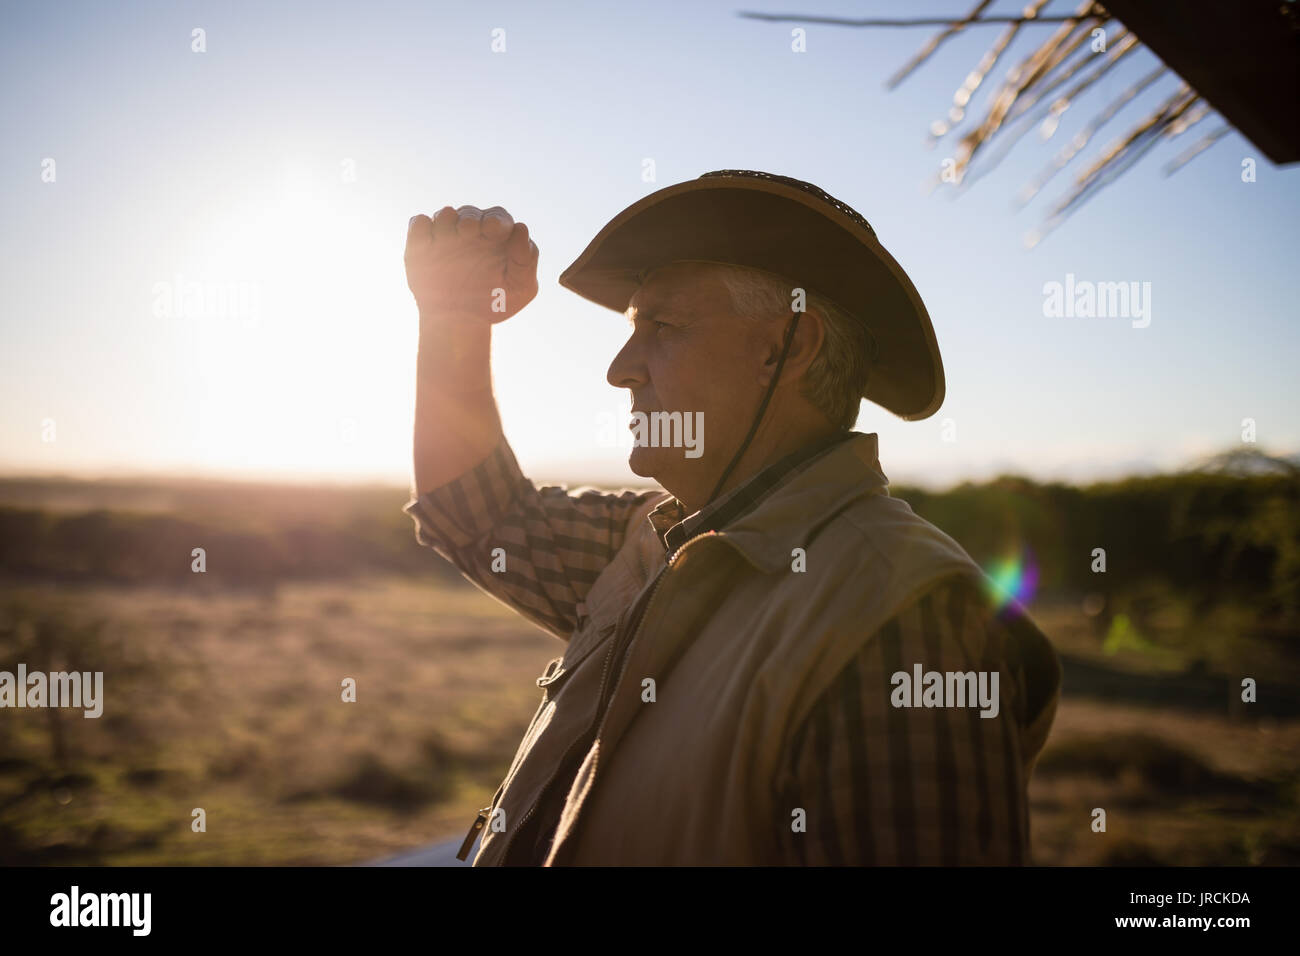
769	225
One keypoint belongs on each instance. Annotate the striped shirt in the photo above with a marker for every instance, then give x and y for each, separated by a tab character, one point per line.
877	783
924	786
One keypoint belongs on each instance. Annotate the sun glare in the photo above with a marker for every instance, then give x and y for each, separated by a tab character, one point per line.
292	281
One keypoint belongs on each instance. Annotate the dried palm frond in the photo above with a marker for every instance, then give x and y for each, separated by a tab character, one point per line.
935	41
1117	45
1118	158
1081	138
1051	115
1033	68
1028	98
1183	158
1027	17
975	77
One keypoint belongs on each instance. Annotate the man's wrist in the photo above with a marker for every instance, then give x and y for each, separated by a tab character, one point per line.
452	360
450	318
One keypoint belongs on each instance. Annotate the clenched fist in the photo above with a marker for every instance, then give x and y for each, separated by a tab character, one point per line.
470	263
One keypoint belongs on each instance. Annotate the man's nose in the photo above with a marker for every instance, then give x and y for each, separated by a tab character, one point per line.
628	368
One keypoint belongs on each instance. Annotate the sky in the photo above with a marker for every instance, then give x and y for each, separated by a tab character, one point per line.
275	172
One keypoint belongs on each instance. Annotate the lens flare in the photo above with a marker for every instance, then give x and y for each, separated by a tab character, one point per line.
1014	579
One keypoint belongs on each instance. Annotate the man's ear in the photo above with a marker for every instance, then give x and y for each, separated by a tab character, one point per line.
809	333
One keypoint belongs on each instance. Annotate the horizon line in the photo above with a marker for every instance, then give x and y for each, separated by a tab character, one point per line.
92	475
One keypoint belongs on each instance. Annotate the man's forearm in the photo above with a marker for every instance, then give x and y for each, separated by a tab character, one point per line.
456	418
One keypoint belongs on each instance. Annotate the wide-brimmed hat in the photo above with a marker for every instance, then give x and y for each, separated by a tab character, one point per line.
787	227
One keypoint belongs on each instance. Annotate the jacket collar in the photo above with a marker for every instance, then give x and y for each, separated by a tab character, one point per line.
772	513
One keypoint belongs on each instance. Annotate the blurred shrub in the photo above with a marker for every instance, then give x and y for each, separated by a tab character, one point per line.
1218	537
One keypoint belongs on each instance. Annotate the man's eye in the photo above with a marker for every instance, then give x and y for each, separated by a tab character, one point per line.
654	324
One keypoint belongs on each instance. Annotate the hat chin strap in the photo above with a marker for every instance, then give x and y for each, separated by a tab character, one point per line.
758	417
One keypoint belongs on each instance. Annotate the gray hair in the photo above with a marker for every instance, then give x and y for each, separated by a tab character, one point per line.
838	374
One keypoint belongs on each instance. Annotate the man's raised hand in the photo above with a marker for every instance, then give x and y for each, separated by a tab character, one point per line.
470	264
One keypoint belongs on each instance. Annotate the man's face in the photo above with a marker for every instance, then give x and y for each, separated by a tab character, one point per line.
689	353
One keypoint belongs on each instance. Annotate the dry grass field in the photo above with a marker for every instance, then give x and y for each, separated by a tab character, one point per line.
228	697
235	705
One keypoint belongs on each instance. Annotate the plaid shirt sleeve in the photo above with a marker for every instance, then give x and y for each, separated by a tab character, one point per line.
924	785
553	543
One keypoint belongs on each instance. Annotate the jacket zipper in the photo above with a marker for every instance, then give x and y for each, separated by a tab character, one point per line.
479	820
600	709
564	761
484	815
474	829
645	613
477	825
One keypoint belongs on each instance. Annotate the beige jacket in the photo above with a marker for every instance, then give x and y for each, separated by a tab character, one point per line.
732	650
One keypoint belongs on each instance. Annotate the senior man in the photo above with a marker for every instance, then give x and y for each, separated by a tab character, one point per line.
770	661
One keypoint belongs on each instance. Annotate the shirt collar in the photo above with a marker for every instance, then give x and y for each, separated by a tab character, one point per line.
674	527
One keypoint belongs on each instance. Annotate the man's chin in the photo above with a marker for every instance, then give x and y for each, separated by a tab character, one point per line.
648	462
